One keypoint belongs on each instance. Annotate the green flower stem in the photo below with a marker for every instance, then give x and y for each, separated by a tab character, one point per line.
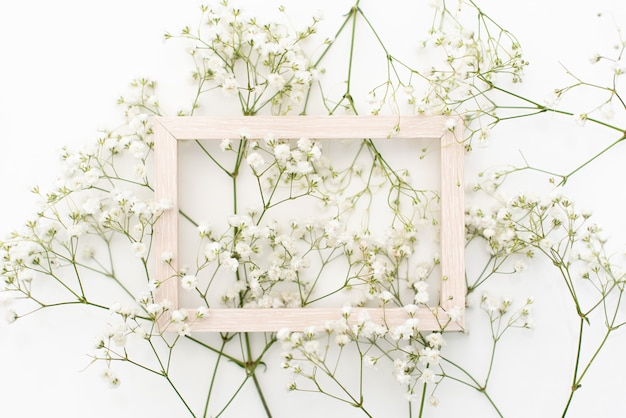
575	379
220	354
199	91
120	179
60	281
590	160
164	372
316	64
173	386
422	401
247	364
492	356
602	302
251	366
57	304
477	386
541	108
186	216
361	391
234	395
72	250
538	109
496	264
569	283
347	96
266	407
320	364
578	377
208	154
325	262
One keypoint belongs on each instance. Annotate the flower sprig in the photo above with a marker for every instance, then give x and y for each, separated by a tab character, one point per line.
95	227
261	64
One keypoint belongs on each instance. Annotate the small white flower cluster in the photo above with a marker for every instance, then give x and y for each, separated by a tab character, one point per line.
124	323
182	320
499	308
231	42
87	202
498	229
131	325
524	225
497	223
109	376
462	62
65	230
305	355
609	66
271	258
96	199
349	329
131	142
522	222
275	263
297	162
271	255
382	261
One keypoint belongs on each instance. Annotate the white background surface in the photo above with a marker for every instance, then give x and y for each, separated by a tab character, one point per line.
64	64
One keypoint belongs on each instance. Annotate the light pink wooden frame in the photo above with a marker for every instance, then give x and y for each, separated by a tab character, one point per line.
168	131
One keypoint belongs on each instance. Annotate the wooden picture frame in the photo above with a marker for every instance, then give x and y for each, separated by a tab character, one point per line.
168	131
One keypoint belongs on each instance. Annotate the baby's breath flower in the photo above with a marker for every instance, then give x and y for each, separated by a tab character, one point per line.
386	296
282	153
428	376
580	119
139	249
202	312
139	171
276	80
255	160
138	149
179	316
111	378
435	340
429	356
212	250
11	316
619	68
167	256
226	144
189	281
312	347
450	124
342	339
411	309
283	334
204	229
230	85
595	58
370	361
455	313
154	309
230	263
